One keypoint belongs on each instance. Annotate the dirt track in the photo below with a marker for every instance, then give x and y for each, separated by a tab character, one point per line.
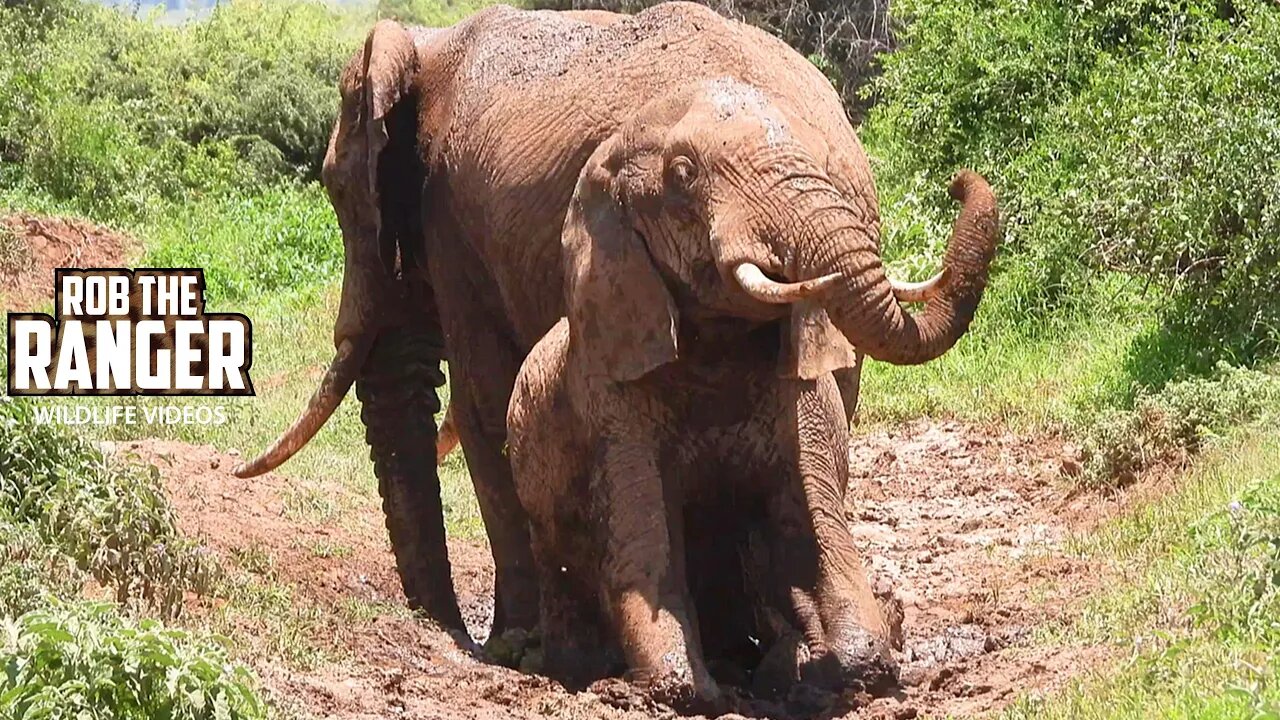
31	246
968	525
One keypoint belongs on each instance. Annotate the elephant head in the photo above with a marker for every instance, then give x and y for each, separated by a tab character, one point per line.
387	337
716	200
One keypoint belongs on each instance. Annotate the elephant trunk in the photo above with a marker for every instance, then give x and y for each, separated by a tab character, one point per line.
864	304
398	395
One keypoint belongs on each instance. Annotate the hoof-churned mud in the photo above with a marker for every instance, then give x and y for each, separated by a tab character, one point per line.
964	527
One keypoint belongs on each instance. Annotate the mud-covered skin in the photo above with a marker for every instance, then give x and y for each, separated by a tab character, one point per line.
452	165
743	456
677	383
398	394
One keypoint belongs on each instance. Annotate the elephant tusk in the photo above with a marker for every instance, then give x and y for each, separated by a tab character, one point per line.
333	387
446	436
922	291
759	286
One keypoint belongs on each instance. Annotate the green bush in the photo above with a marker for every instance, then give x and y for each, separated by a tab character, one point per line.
117	116
85	661
1241	562
1178	420
289	232
32	570
108	518
433	13
1133	136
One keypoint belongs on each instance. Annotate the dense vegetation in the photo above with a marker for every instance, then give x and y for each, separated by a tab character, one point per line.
1132	143
69	514
1131	137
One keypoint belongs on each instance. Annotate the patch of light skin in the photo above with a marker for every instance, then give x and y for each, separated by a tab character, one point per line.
730	97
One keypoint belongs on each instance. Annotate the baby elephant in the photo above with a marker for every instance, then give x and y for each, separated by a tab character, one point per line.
683	517
679	441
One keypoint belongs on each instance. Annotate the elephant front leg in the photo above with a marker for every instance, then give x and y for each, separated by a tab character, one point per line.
823	582
644	584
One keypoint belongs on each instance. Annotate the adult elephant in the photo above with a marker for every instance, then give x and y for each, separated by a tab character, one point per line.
451	169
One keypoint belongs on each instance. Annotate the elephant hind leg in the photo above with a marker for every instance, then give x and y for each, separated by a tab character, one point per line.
575	640
724	595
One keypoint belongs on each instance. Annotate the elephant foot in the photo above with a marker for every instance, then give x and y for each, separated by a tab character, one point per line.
652	695
779	670
855	660
677	690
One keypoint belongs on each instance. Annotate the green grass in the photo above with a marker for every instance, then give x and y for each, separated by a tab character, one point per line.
1031	379
1194	605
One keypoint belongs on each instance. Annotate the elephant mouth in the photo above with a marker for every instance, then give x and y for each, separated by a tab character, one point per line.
342	373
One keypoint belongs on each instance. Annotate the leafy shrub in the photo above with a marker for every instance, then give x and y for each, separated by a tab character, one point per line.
116	115
1132	136
432	13
85	661
1240	560
1176	421
111	519
32	570
290	232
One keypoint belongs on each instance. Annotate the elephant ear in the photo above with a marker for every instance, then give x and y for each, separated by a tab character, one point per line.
390	63
622	319
812	346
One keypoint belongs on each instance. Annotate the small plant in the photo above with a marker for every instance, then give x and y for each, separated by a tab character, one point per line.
108	517
1175	422
325	548
1239	557
84	660
15	254
255	559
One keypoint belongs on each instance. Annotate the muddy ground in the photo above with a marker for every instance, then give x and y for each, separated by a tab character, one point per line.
968	524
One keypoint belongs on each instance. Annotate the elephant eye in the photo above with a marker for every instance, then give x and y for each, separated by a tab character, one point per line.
683	172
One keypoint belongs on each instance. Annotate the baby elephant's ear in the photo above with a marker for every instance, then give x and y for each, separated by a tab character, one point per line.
622	319
811	345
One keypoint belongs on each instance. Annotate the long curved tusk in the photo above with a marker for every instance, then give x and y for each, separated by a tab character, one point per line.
759	286
922	291
333	387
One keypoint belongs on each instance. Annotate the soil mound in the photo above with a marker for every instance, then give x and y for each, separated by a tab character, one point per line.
31	246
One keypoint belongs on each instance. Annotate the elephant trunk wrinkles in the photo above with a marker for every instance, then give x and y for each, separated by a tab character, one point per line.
862	305
397	392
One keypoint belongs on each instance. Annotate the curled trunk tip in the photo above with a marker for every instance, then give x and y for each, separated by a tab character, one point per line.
965	183
867	310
